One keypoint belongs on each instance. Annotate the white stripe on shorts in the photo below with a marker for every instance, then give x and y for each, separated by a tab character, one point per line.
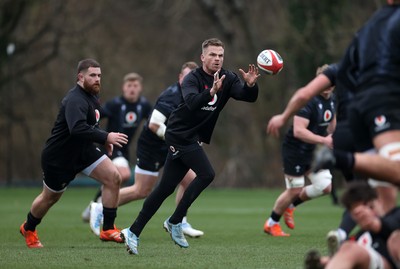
88	170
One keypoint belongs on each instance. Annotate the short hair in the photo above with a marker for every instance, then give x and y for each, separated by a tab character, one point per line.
190	65
86	63
212	42
356	192
133	77
321	69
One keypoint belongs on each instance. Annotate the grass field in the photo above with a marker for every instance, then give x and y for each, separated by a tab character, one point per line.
231	219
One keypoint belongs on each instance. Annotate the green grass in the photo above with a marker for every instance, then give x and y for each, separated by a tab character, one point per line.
231	219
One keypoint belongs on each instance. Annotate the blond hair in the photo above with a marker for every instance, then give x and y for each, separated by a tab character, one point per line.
321	69
190	65
133	77
212	42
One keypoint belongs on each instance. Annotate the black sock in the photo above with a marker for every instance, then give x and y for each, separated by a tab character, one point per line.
275	217
344	160
109	217
98	195
297	201
31	222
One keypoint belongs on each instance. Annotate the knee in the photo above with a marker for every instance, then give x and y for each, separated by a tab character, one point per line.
209	177
125	174
393	246
51	199
114	179
349	246
144	192
328	189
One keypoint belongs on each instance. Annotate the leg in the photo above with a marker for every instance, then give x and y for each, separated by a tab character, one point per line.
387	194
393	245
40	206
186	227
42	203
387	163
106	172
321	184
144	184
285	199
353	255
123	167
190	175
124	170
174	171
198	161
294	185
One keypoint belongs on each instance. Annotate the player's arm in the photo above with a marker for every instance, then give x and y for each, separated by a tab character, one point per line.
298	100
157	123
332	126
301	132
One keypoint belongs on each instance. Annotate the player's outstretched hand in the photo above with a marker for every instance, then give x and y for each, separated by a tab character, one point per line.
274	124
217	85
117	139
251	76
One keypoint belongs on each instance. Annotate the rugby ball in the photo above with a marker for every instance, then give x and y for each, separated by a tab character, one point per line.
270	62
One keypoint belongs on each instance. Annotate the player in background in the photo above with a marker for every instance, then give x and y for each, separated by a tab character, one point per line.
312	125
71	149
124	114
376	245
151	152
205	91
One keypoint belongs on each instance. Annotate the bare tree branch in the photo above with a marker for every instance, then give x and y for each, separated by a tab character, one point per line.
211	10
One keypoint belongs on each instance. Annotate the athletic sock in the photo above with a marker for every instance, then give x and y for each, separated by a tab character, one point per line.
297	202
275	216
97	196
31	222
109	217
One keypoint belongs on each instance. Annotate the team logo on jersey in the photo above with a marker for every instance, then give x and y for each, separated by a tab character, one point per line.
380	120
327	115
297	167
97	113
213	101
381	123
365	240
130	117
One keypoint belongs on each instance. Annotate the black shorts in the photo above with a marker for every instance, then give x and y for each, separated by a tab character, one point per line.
372	113
58	175
151	158
295	163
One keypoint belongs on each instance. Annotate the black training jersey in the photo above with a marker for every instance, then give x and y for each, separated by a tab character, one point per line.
125	117
75	129
378	241
195	119
320	112
342	92
168	100
377	46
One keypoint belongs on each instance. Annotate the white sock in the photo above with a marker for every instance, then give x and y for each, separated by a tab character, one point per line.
342	234
272	222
